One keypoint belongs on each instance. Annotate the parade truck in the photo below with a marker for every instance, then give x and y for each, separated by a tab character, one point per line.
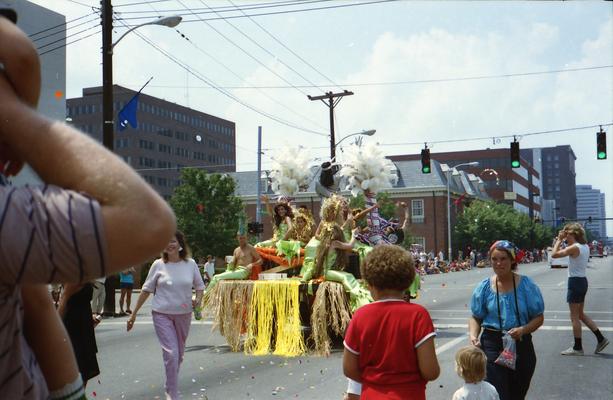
596	249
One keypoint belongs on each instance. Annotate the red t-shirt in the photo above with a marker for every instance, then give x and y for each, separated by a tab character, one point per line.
385	335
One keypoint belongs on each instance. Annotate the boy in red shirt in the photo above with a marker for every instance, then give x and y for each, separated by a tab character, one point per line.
389	344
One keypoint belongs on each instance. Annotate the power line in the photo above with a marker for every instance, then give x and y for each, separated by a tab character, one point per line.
412	82
139	3
474	139
241	49
65	30
81	4
69	43
264	49
208	81
67	37
61	25
282	12
216	60
286	47
226	9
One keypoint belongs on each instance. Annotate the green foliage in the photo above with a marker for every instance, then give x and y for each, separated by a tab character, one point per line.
207	212
387	207
357	202
486	221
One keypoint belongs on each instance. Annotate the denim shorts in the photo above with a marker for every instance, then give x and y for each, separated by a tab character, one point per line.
126	285
577	288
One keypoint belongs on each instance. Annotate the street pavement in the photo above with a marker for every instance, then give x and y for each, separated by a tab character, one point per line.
131	363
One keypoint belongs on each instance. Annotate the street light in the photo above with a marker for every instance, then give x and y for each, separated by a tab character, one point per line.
107	66
369	132
449	171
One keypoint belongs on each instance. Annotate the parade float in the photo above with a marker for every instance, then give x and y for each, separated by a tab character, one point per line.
308	294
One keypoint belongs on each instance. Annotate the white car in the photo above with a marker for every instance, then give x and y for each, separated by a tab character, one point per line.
561	262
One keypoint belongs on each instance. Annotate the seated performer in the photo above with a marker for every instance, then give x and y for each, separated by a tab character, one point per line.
244	261
281	218
330	256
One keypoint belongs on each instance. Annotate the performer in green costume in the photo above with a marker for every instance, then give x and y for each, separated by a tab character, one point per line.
281	217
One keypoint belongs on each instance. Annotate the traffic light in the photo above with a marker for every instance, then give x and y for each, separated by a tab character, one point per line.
601	145
515	154
425	161
255	227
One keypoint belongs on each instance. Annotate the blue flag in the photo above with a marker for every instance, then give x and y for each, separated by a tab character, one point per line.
127	115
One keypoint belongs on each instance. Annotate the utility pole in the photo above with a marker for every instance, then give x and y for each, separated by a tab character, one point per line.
107	75
331	103
111	282
258	207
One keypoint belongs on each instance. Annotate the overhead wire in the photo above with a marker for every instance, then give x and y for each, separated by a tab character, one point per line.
224	9
69	43
227	68
65	30
208	81
343	5
278	59
139	3
67	37
61	25
243	50
288	48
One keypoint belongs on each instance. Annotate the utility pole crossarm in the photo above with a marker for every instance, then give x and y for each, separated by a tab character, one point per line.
331	103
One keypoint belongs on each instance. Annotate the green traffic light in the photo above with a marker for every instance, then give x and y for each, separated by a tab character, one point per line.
425	170
602	155
515	164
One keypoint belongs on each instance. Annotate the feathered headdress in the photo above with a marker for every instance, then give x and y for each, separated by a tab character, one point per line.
290	171
366	168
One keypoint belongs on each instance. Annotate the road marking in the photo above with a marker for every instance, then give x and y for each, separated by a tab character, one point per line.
544	327
148	322
605	321
467	310
450	344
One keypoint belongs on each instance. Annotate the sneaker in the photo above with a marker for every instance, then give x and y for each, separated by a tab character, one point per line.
572	352
601	345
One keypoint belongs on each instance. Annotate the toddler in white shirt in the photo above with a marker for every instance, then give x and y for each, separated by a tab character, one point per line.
471	366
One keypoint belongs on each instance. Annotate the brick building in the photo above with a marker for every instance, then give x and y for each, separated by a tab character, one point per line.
518	187
168	137
425	195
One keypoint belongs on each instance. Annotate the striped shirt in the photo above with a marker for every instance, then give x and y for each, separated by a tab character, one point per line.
47	235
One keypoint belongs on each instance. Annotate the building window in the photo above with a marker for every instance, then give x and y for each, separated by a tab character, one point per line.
417	211
420	240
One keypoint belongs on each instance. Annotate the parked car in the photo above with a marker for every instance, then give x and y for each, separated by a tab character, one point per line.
561	262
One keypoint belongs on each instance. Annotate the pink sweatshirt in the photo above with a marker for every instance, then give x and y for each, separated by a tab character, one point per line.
171	285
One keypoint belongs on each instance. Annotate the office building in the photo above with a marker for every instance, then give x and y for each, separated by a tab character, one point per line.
168	136
591	203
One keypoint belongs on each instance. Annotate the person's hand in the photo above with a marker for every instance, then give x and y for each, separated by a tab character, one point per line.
516	333
264	198
355	231
130	323
401	204
474	340
561	235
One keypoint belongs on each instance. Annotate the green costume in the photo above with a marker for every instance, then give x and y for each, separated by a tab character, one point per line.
278	234
358	295
237	273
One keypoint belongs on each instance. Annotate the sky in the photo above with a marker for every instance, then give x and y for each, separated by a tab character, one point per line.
419	49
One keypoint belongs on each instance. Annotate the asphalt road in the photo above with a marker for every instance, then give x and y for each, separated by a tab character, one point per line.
131	363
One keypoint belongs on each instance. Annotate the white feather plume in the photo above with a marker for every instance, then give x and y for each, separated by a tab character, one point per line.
366	168
290	171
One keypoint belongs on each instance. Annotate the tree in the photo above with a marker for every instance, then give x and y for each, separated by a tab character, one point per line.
207	212
486	221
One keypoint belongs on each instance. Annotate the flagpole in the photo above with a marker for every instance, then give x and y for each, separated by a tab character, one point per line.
146	83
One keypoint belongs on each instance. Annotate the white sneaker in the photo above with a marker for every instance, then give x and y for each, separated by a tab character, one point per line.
572	352
601	345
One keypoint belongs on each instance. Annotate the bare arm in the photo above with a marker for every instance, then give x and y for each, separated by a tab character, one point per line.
534	324
474	330
351	367
362	214
53	349
290	227
137	221
268	209
142	298
427	361
572	251
255	257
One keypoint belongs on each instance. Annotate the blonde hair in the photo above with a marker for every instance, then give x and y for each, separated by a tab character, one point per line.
577	231
470	364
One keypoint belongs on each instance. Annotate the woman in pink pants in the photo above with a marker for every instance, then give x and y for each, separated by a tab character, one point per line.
171	279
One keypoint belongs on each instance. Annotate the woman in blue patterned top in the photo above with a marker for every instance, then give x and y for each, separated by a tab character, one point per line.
506	302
